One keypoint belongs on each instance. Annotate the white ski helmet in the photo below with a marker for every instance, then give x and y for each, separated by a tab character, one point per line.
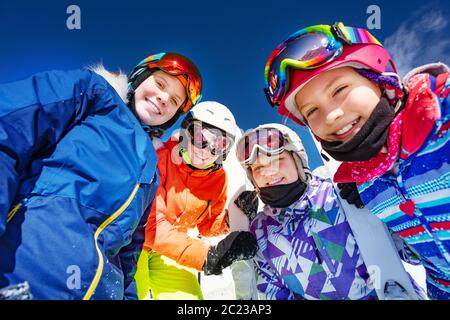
213	114
294	145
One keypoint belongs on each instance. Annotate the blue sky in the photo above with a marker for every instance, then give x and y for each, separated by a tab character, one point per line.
230	41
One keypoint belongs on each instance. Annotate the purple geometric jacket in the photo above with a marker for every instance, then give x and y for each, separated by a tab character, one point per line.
308	251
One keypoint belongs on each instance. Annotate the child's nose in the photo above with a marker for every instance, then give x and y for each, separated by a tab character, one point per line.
269	170
334	114
163	97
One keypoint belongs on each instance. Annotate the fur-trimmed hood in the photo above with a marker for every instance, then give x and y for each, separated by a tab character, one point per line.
118	80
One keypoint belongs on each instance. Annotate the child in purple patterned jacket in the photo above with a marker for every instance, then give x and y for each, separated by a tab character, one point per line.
306	247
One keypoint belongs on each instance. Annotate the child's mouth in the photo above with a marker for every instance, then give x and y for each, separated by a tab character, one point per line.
348	130
153	107
200	156
275	182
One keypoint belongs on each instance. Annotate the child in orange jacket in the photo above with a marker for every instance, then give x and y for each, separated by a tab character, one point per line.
192	194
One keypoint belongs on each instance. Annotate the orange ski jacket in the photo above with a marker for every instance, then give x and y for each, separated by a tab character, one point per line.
186	198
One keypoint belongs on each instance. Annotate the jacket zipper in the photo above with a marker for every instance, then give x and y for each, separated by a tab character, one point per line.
13	212
97	233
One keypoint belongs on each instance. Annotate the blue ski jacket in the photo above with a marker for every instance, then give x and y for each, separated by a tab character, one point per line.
77	175
413	199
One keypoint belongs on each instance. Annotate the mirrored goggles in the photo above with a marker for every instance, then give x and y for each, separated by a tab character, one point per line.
270	141
203	136
309	48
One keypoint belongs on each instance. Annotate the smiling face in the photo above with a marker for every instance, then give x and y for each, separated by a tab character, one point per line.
200	158
274	170
158	98
337	103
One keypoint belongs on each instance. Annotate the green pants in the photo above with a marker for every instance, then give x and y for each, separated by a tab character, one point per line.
166	279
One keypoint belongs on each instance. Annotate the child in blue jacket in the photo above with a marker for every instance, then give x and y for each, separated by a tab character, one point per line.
78	174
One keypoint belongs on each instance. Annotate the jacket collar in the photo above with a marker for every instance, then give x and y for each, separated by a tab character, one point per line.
299	207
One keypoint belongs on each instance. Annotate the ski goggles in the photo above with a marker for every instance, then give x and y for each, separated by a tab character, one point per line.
270	141
307	49
203	136
175	64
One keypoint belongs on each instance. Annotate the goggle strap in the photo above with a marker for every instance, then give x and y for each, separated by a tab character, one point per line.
351	35
137	72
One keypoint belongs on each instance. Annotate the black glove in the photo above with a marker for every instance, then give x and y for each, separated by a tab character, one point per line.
238	245
247	201
349	192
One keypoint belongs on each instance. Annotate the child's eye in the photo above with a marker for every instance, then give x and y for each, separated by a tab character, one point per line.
310	111
339	90
174	102
159	84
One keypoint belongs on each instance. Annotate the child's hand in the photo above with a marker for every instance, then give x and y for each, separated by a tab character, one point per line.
238	245
349	192
247	201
